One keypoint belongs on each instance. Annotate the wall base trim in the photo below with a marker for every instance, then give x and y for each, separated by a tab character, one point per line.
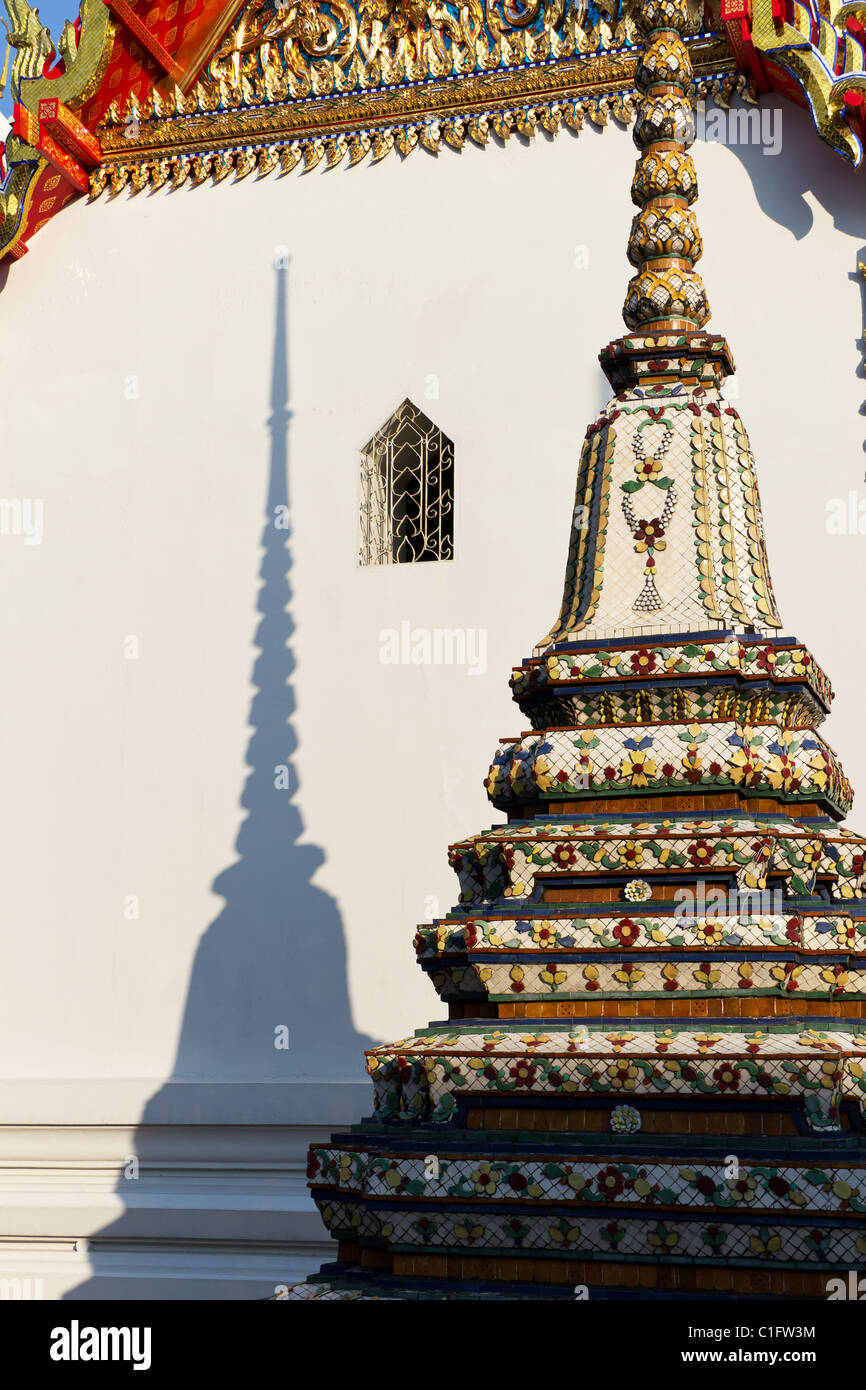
157	1211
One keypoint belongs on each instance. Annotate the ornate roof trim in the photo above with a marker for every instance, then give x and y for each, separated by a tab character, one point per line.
59	100
144	94
425	114
792	48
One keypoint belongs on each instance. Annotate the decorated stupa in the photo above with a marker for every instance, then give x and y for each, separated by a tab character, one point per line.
653	1075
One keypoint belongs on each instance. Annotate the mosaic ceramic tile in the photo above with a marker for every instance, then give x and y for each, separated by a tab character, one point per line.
504	862
425	1077
563	705
697	978
554	1232
716	754
798	934
704	1184
297	1293
780	662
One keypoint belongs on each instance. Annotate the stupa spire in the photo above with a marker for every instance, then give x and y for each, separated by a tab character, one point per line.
667	535
665	243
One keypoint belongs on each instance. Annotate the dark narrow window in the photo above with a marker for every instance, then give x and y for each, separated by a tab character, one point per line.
407	491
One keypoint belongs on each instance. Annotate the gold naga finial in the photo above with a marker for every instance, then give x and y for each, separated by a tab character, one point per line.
666	294
31	40
67	44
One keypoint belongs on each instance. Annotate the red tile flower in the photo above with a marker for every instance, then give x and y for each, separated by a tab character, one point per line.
643	661
700	853
648	535
727	1076
767	659
626	931
610	1182
523	1074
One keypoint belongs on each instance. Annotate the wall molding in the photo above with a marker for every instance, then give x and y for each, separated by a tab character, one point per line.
193	1211
124	1100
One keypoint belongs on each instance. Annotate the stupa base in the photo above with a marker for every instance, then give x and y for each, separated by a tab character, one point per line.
347	1283
707	1198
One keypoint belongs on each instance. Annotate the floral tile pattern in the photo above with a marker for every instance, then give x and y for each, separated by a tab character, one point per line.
716	754
557	1232
805	931
652	979
423	1077
504	862
702	1184
754	662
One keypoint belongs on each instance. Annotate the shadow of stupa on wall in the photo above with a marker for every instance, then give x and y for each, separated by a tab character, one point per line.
275	956
782	177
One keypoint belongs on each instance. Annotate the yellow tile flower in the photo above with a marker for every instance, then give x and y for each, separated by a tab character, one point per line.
639	767
568	1237
553	977
485	1180
543	777
623	1076
765	1249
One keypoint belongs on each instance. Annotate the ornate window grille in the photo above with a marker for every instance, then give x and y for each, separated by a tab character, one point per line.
407	491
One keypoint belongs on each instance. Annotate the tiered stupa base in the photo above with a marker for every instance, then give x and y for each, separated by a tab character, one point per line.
625	1100
539	1199
652	1080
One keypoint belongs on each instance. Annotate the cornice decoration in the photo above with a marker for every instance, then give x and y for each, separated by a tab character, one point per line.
301	82
282	49
164	93
429	116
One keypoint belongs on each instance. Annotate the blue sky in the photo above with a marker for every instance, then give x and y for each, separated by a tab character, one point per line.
53	14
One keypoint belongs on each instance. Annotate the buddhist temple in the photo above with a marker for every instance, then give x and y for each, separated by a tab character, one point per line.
300	312
653	1074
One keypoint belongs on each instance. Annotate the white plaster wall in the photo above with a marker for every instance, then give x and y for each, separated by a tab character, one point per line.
125	776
